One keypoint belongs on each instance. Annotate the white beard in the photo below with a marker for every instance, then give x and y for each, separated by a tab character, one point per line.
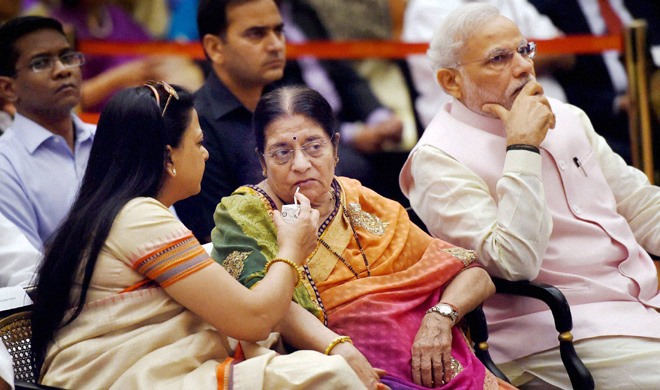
475	96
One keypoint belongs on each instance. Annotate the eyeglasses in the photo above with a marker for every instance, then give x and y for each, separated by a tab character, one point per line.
152	84
502	58
71	59
312	149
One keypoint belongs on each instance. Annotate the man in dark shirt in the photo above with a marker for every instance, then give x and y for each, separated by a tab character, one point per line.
244	42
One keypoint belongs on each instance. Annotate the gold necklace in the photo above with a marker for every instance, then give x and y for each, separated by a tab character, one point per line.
364	257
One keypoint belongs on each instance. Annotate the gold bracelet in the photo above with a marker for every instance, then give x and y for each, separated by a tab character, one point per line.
340	339
299	271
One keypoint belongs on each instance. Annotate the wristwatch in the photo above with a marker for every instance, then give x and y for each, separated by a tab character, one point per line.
446	310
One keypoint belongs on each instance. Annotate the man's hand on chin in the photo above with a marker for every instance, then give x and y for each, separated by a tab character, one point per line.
529	119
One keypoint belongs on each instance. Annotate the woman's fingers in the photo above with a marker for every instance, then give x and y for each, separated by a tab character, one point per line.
427	371
277	219
431	351
433	370
369	376
416	368
304	201
306	209
446	368
439	369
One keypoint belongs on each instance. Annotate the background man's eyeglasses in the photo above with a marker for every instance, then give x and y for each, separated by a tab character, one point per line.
152	84
502	59
41	64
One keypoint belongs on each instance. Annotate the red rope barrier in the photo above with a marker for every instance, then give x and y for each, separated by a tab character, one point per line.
575	44
334	50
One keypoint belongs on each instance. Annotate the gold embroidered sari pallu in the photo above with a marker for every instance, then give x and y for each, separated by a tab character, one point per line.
381	312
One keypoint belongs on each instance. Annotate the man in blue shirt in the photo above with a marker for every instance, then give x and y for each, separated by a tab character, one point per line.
44	154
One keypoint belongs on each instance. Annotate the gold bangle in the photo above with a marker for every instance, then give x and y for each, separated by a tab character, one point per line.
340	339
298	270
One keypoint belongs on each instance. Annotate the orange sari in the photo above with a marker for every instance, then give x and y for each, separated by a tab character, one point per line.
378	298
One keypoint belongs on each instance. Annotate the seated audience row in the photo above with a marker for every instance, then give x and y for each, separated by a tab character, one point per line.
349	249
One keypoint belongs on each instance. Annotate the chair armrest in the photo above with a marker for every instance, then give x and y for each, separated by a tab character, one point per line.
561	312
550	295
476	321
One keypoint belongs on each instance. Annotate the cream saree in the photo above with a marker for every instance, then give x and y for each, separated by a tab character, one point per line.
132	335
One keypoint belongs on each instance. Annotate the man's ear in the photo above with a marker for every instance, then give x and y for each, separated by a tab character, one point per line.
8	89
214	48
451	81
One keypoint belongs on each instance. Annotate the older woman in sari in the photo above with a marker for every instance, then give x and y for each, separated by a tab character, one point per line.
377	290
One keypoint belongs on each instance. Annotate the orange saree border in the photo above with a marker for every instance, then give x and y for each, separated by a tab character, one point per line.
223	371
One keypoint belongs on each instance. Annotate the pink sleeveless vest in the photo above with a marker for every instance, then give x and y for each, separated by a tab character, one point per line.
592	255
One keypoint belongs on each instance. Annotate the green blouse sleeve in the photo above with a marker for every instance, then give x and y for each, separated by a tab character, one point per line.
245	239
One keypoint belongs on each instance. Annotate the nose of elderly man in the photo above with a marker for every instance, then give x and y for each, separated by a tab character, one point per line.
522	65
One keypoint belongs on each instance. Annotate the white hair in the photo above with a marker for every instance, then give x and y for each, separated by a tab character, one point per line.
454	31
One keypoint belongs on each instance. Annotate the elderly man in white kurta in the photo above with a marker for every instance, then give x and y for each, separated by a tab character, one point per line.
525	180
421	19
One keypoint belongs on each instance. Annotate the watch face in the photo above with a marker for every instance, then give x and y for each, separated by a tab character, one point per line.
445	309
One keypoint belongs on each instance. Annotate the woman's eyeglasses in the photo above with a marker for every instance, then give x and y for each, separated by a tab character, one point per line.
502	59
312	149
153	84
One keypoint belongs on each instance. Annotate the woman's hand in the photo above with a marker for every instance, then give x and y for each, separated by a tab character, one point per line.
296	240
369	376
431	351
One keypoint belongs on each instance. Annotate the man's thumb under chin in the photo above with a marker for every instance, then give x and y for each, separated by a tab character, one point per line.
495	109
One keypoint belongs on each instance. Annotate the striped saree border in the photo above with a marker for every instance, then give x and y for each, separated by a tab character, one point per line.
223	373
174	261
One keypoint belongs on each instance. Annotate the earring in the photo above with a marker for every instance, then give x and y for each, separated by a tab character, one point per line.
174	171
263	172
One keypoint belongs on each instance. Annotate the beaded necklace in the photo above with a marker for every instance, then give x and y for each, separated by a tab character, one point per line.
364	257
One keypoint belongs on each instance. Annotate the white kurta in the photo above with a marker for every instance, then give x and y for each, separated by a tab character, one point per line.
541	217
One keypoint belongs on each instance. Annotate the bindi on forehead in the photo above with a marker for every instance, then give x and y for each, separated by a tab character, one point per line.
297	139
